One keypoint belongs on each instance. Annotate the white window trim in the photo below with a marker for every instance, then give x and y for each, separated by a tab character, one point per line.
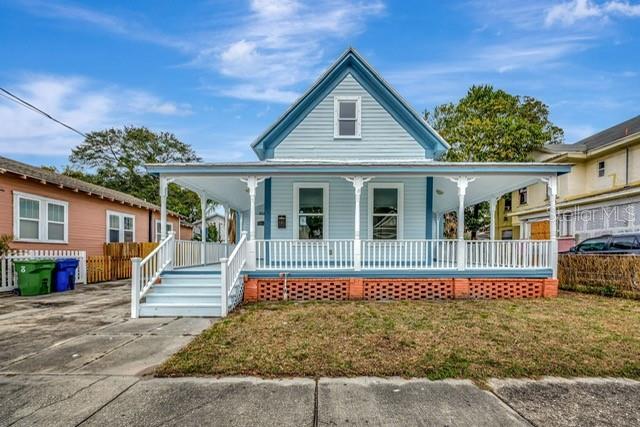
43	220
325	207
121	216
169	224
398	186
336	116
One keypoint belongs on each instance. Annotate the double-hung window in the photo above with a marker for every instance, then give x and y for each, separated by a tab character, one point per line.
120	227
311	209
601	168
385	211
159	229
346	117
40	219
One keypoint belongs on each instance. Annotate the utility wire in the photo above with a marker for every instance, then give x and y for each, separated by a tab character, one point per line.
10	96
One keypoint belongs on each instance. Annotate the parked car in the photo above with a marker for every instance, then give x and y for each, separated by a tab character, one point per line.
608	244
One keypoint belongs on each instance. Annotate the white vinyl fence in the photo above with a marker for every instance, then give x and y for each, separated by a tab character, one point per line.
9	278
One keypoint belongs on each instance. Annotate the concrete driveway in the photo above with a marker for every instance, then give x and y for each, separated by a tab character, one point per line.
76	358
87	331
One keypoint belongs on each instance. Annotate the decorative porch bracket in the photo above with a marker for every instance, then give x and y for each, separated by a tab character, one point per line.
462	183
358	182
552	189
252	184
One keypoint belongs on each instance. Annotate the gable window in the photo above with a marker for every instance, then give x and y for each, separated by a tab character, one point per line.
311	210
601	169
120	227
385	211
39	219
346	117
159	228
523	193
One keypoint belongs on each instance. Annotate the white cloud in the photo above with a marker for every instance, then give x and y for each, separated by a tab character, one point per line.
578	10
76	101
280	44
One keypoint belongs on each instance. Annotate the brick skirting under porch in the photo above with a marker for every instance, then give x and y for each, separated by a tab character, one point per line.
372	289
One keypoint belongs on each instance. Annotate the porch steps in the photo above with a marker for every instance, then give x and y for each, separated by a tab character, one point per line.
187	294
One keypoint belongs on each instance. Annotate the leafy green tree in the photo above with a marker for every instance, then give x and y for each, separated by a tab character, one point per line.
212	234
491	125
115	158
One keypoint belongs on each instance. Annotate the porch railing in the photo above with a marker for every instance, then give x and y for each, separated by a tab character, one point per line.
145	272
402	254
230	275
189	252
518	254
408	254
304	254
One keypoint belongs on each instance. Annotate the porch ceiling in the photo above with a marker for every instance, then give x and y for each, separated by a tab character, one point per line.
222	189
483	188
231	190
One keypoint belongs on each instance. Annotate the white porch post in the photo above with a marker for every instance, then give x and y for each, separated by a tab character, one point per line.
492	211
164	190
552	187
358	183
226	228
203	228
463	183
252	184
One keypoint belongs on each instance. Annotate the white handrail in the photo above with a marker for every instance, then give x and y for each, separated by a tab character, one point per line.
145	272
230	270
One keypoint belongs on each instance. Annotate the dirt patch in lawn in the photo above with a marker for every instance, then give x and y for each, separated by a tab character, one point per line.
572	335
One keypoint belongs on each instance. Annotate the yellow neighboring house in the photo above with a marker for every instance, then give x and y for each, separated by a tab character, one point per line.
601	194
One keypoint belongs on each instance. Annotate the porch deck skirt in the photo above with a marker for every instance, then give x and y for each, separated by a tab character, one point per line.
383	289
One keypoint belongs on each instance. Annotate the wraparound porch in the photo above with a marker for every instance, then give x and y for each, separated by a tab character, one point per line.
323	228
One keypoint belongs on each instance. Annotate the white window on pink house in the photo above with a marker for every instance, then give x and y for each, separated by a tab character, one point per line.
120	227
39	219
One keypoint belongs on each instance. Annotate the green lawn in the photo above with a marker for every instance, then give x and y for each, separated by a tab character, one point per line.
572	335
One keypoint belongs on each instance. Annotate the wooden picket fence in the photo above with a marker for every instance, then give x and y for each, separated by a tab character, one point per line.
115	263
9	278
129	250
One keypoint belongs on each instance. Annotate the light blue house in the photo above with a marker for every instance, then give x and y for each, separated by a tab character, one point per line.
346	200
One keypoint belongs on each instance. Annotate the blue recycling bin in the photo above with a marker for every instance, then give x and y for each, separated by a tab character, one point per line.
64	276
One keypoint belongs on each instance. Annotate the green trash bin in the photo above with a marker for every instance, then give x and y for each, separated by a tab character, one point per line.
34	276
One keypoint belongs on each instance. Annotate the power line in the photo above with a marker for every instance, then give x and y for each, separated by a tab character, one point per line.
10	96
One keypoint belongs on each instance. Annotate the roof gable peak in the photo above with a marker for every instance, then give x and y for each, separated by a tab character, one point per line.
350	62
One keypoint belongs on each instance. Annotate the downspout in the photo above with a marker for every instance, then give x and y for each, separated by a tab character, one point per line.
626	168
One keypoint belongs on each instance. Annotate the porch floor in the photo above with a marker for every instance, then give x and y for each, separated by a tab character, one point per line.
536	273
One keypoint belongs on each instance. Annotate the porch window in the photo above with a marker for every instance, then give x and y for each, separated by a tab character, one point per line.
310	206
120	227
347	117
39	219
385	208
159	229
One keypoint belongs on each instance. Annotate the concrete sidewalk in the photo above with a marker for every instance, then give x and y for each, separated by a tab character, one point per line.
125	400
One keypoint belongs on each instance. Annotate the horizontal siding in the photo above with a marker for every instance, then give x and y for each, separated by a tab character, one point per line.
87	216
342	207
382	136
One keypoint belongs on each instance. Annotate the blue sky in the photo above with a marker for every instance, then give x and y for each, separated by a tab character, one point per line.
216	73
